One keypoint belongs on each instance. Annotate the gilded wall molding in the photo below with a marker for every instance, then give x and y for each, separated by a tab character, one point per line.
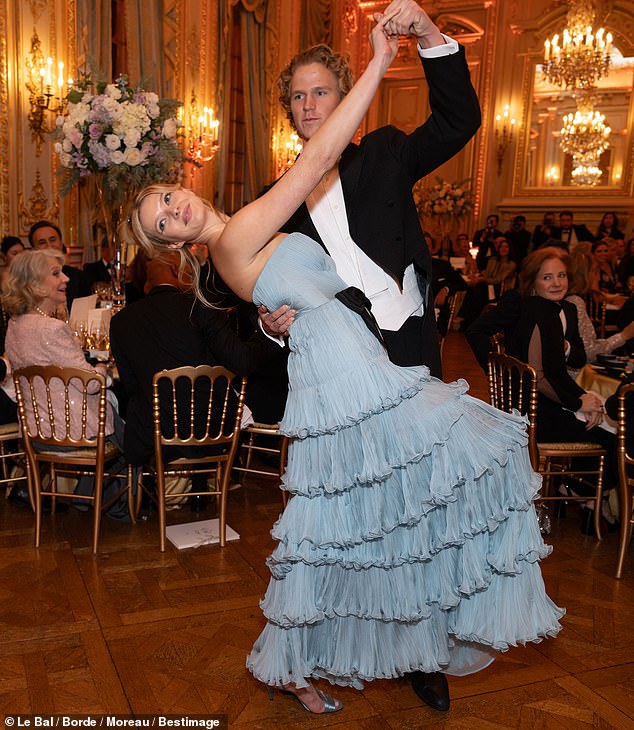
4	121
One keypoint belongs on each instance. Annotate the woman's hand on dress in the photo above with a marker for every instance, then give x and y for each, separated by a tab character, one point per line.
276	323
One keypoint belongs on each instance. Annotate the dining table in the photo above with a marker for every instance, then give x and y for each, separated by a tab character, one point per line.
597	379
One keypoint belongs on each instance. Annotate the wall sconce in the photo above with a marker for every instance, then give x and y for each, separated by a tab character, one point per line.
504	135
201	133
287	146
46	92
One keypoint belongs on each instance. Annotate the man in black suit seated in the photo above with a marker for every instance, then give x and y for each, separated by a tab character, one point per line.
570	233
484	239
99	271
167	329
45	234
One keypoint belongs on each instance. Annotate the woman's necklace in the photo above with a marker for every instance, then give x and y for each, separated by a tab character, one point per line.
42	312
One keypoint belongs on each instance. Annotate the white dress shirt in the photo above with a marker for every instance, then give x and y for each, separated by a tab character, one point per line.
391	306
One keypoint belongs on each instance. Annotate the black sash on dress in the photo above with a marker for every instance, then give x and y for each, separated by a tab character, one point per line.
357	301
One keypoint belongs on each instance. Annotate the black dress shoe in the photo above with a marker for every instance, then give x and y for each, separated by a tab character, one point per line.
432	688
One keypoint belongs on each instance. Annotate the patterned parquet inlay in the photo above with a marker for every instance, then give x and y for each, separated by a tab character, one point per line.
134	631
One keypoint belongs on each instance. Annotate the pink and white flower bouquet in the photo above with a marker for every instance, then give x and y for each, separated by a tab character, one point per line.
125	136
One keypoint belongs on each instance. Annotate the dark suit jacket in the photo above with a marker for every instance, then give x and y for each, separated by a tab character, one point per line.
378	174
77	286
97	271
483	238
169	329
582	232
543	313
501	318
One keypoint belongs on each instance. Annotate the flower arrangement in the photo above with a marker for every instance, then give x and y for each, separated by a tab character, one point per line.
126	136
444	199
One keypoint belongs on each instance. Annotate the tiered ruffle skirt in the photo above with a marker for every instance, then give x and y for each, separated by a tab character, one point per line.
410	541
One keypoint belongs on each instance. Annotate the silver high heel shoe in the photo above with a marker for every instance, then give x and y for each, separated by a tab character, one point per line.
330	704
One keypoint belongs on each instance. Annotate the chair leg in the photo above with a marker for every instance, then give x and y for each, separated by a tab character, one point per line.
625	530
160	494
98	490
599	499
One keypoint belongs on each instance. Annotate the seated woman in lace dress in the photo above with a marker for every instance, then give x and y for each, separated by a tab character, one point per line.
580	278
34	290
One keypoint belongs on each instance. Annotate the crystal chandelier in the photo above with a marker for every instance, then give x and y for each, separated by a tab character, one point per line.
583	56
586	174
584	134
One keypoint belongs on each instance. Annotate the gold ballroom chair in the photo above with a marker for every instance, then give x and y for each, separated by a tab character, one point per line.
12	459
626	479
81	455
249	445
513	385
452	302
208	391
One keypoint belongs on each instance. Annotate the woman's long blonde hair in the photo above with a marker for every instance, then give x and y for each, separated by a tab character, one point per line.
22	289
153	246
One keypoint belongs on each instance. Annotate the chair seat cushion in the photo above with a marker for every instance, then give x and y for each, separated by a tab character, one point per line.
110	452
569	446
9	429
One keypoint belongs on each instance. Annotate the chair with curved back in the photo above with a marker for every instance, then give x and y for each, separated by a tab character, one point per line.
513	386
626	477
49	441
197	411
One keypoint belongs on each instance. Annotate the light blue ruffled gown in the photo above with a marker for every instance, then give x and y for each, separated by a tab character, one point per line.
410	541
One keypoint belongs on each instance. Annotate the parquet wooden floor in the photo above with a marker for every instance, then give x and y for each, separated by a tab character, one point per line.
134	631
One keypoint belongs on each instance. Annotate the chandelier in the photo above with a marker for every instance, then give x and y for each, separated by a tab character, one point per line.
586	174
583	56
584	134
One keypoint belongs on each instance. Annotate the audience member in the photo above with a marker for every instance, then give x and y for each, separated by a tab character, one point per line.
579	287
44	234
100	271
170	328
609	227
446	281
626	268
607	280
34	289
570	233
519	240
543	231
547	337
484	239
489	285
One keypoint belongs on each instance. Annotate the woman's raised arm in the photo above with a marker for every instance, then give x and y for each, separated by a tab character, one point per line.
250	229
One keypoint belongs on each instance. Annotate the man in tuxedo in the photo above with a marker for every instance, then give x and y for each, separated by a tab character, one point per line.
363	212
99	271
484	239
44	234
570	233
170	328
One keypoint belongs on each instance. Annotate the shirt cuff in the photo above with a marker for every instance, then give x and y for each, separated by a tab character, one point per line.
278	339
449	47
